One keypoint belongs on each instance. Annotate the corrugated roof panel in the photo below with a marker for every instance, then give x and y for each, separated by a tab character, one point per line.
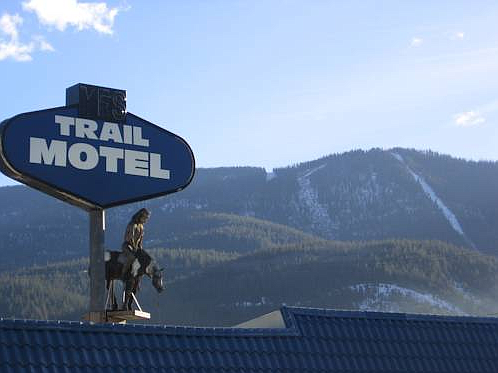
51	354
470	350
22	354
56	338
493	350
181	342
491	365
61	355
463	351
404	348
414	332
492	329
474	334
148	358
441	335
63	338
121	358
192	360
9	336
256	344
227	360
433	349
218	359
467	365
486	334
13	336
311	328
447	350
387	332
206	346
478	365
457	332
345	346
442	366
179	360
239	358
107	356
5	354
271	360
314	341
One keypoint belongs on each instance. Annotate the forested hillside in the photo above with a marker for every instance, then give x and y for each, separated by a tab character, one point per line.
359	195
397	230
470	190
211	287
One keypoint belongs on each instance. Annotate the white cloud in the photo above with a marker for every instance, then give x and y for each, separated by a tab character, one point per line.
64	13
57	13
460	35
476	116
469	119
43	45
11	46
416	42
17	51
9	23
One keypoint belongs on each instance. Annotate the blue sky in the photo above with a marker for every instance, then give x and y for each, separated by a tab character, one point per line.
269	83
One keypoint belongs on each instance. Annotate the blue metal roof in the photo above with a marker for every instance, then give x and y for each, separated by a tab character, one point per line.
314	340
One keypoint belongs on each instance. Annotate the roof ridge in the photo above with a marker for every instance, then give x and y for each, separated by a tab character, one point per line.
70	326
289	314
324	312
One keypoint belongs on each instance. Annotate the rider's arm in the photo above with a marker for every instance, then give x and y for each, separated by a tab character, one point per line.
138	235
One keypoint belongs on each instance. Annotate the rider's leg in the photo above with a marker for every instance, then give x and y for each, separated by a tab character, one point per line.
129	258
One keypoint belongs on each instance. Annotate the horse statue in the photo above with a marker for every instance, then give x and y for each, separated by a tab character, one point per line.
142	265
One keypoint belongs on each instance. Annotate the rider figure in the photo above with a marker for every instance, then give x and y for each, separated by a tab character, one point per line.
133	238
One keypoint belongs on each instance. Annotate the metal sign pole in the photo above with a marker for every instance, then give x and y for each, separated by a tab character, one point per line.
97	265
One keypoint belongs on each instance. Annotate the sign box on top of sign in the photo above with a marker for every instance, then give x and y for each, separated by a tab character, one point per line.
92	162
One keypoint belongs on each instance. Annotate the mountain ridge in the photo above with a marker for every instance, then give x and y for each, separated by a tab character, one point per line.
357	195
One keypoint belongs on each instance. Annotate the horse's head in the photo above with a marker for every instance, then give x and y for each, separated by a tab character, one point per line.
157	278
151	269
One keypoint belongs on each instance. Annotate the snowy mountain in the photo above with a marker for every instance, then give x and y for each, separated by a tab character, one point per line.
359	195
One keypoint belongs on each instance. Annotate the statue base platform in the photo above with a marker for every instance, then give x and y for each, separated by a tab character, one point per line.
120	316
116	316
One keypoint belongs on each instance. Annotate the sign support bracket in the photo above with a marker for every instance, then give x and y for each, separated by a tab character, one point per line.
97	264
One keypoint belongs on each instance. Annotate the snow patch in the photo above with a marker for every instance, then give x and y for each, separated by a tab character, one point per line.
270	176
466	294
448	214
173	204
398	157
261	302
310	172
308	196
377	296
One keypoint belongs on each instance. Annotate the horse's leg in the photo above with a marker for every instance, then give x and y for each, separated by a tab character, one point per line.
114	303
132	291
135	291
110	289
128	298
109	284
